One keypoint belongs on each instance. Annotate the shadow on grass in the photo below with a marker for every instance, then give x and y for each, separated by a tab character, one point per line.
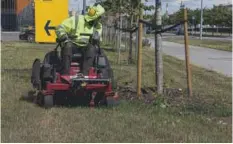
29	97
61	99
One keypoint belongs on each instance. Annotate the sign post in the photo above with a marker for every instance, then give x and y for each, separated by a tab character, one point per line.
48	15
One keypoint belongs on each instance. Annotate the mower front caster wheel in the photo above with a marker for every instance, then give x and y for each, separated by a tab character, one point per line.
46	101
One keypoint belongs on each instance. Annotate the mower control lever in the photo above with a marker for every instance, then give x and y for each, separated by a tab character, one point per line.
85	34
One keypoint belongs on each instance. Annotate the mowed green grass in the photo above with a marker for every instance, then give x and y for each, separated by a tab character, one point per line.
204	118
214	44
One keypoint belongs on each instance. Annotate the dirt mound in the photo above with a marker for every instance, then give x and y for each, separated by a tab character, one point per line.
149	94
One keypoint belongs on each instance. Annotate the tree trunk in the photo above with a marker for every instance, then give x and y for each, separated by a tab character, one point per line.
130	47
109	34
136	40
130	42
115	39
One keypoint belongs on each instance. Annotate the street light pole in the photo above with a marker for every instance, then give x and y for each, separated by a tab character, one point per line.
201	19
192	23
84	6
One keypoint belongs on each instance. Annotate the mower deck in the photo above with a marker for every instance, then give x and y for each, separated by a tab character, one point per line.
77	85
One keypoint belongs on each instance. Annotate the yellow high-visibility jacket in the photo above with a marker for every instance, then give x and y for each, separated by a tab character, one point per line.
80	23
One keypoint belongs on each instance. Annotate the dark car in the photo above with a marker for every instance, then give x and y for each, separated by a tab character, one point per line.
149	30
27	34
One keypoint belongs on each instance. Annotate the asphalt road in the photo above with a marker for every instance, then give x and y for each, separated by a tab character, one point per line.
216	60
10	36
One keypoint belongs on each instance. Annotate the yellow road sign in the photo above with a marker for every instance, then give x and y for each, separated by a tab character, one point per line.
48	15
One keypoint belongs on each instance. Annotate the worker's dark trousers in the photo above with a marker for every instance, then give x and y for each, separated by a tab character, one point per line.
88	57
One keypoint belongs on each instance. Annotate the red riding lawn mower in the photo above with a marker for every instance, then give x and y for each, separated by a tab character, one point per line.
94	89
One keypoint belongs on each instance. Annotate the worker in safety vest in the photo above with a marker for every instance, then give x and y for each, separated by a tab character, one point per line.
72	27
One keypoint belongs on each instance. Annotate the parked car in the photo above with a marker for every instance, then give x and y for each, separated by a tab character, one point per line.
27	34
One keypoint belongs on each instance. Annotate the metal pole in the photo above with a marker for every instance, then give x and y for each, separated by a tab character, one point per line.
117	39
120	30
136	45
139	62
84	6
189	83
192	24
119	47
201	19
119	34
158	50
125	38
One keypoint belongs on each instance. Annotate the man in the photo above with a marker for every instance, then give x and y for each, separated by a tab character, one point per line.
73	27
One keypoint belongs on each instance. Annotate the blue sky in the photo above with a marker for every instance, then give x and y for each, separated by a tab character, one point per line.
173	5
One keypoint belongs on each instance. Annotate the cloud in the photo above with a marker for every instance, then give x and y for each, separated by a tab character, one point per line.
173	5
78	4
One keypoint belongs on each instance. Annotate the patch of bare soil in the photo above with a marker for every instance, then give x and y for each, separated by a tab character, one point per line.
173	96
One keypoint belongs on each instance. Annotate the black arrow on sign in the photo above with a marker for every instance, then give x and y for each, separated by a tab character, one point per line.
47	27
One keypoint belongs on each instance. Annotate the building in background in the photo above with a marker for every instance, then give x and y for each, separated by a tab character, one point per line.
16	13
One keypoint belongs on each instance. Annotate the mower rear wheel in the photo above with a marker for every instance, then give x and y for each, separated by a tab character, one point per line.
100	99
35	77
48	101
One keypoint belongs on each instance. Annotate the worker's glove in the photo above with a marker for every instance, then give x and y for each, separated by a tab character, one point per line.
62	38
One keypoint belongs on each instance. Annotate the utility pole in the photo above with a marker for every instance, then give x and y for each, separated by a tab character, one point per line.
201	19
84	6
193	18
139	62
158	49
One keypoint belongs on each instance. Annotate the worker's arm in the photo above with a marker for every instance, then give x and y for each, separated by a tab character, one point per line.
65	27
